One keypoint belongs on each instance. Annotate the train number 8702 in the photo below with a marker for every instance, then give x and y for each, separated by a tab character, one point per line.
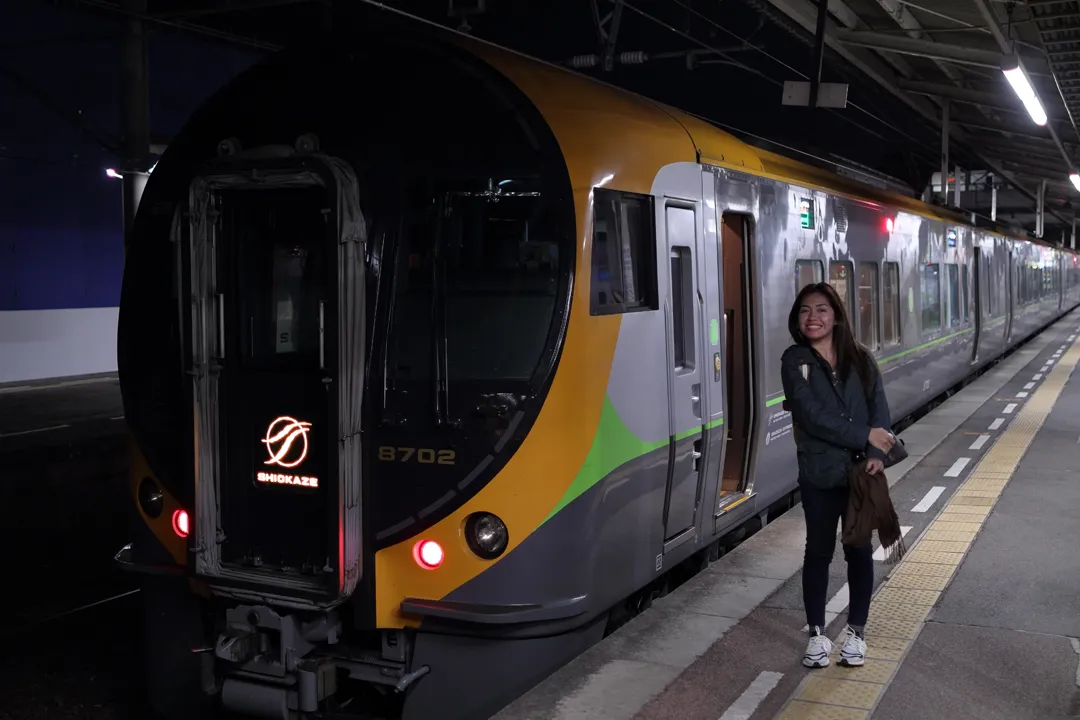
427	456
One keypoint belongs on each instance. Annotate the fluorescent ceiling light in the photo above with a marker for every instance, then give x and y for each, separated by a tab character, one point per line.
1021	85
1075	180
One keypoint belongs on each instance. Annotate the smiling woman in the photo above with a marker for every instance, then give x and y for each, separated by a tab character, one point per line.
838	404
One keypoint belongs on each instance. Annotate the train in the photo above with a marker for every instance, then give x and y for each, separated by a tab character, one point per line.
433	354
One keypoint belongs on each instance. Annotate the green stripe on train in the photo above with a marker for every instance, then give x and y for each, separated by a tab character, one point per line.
615	445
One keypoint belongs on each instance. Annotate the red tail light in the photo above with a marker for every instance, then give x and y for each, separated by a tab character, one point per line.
181	523
428	554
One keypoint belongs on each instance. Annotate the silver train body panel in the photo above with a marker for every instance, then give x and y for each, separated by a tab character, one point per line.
665	502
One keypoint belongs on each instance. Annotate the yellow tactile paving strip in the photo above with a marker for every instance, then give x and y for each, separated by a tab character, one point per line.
900	608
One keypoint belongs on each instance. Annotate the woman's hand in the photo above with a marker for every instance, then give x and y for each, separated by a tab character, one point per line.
881	439
874	466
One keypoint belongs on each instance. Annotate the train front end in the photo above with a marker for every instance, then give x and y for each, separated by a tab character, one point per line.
345	300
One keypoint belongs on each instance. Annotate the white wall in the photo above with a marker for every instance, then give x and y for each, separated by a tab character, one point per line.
43	344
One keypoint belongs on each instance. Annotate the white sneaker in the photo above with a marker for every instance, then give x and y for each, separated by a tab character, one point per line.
853	651
817	651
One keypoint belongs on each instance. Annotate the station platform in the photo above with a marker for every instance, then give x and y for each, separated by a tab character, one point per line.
980	619
68	413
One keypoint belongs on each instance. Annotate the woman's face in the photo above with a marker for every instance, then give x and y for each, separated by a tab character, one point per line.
816	317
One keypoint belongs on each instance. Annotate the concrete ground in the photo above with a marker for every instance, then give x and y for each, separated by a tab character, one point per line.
728	644
63	504
63	415
1001	643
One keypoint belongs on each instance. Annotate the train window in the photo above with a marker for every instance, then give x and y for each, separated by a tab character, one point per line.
623	253
478	275
952	285
279	266
930	297
840	279
808	272
682	306
891	291
868	305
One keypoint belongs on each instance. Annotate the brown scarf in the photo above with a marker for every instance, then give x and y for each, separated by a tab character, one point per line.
870	508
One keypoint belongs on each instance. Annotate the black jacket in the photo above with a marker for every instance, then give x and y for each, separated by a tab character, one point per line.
832	419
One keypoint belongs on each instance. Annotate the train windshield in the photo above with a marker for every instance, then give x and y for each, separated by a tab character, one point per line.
475	288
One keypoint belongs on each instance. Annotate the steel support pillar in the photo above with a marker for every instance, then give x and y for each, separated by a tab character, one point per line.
945	151
819	50
136	108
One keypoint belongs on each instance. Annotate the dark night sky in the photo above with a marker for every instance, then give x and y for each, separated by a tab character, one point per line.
61	242
60	216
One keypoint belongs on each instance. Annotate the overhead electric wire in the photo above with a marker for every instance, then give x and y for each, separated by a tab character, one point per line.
933	151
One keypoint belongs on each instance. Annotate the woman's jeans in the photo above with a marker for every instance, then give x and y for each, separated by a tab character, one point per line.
824	511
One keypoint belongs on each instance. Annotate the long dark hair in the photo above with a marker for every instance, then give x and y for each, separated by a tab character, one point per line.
850	354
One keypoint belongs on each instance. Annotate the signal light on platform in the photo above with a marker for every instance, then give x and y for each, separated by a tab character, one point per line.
181	523
889	225
428	554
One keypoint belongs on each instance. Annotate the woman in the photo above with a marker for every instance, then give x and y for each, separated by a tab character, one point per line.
835	395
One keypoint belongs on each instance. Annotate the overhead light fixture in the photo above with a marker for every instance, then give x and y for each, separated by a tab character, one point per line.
1075	180
1021	85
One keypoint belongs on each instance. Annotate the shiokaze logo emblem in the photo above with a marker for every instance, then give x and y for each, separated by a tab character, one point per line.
286	441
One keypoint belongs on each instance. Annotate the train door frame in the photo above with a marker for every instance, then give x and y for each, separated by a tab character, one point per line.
208	280
688	406
733	364
977	264
1059	261
1010	282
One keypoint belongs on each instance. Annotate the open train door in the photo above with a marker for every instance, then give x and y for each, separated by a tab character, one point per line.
977	304
737	253
274	278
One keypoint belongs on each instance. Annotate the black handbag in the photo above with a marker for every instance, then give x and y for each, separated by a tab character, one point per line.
898	453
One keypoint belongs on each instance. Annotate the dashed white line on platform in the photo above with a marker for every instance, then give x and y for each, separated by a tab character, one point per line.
996	424
979	442
747	703
1022	394
957	467
931	497
35	430
1037	376
1009	408
1029	386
